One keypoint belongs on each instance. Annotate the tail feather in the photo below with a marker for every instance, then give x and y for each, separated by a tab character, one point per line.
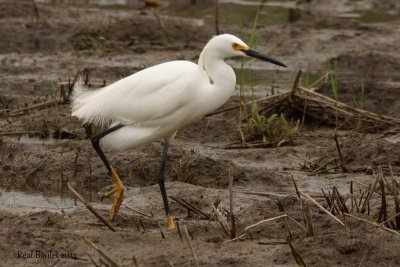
85	104
79	92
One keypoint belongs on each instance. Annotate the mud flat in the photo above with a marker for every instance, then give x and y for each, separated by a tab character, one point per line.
44	46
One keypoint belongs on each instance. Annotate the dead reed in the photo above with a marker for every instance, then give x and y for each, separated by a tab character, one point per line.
380	198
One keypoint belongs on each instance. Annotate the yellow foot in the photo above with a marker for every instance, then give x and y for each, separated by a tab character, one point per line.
109	193
170	222
119	194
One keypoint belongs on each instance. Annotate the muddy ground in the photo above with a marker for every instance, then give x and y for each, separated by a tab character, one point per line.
43	148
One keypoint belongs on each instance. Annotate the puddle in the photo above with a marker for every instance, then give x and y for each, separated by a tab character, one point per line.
260	81
239	14
235	13
371	17
230	11
22	203
93	2
374	17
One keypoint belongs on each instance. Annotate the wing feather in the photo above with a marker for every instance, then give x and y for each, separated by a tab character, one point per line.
142	98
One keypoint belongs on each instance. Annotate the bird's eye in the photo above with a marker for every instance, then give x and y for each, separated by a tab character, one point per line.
235	46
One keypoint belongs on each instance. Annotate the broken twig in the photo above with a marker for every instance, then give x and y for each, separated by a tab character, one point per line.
90	208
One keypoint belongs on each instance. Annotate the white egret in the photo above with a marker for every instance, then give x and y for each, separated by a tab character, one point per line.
158	101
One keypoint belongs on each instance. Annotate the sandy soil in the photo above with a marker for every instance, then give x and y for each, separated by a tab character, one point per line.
42	149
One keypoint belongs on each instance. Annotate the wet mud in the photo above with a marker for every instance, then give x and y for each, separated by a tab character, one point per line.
47	44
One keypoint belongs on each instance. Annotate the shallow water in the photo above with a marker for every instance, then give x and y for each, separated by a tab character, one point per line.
283	79
237	12
371	16
230	11
22	202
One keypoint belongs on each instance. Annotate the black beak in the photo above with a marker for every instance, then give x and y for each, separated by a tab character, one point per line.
255	54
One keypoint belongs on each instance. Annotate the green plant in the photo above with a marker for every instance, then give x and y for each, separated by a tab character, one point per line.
270	130
290	131
360	104
260	123
362	93
22	157
335	84
130	177
334	78
252	44
244	62
53	90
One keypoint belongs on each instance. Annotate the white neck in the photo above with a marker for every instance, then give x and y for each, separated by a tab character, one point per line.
221	76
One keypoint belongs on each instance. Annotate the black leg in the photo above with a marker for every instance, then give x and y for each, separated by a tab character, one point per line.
119	186
96	144
161	176
161	182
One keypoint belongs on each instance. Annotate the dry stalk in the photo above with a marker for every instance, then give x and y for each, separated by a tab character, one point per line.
90	208
22	111
395	199
322	208
346	110
305	207
158	223
340	153
102	253
363	208
179	229
296	188
295	83
367	187
191	207
273	242
383	210
391	217
313	85
296	255
246	230
342	203
92	260
352	196
264	221
76	163
139	212
222	221
328	200
362	260
258	144
319	106
306	211
323	167
191	246
231	216
236	238
135	262
142	224
20	133
372	223
297	223
216	18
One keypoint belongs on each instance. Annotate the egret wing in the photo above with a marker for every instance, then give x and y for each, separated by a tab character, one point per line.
142	98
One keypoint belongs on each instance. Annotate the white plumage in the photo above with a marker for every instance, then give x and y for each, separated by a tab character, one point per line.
155	102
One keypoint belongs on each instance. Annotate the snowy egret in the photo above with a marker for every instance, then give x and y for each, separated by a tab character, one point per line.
156	102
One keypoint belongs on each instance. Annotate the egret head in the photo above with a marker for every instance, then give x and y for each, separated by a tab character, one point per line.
227	45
